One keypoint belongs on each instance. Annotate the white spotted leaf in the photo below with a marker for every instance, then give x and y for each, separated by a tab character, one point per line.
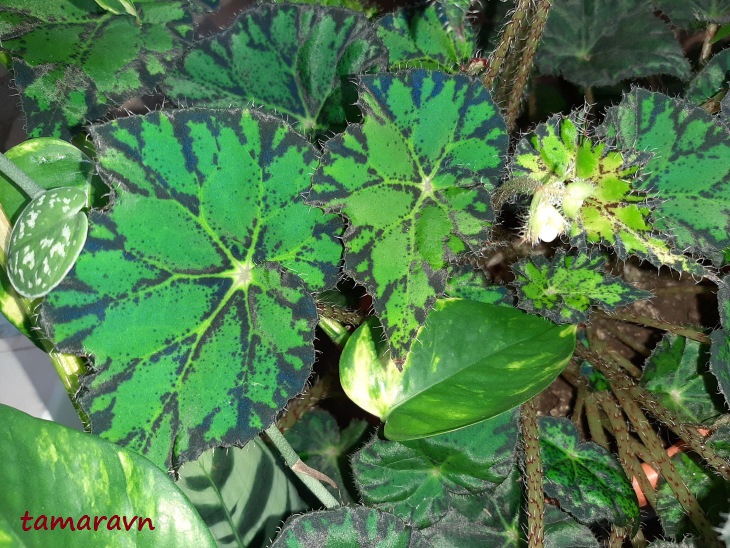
46	241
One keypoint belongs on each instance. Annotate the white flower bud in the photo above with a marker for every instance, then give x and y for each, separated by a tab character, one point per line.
545	222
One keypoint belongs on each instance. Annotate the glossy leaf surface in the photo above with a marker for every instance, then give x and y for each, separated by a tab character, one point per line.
564	288
471	362
321	445
688	169
291	59
418	480
348	526
74	61
242	494
676	373
423	37
587	480
579	45
190	294
50	470
46	240
412	180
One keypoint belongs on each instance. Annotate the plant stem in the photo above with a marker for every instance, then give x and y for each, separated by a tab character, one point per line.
594	421
689	332
710	33
339	314
618	534
309	399
18	176
533	470
291	458
506	41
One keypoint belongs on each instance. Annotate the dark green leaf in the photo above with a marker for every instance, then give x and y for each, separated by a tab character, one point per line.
192	293
292	59
601	42
413	182
366	7
242	494
323	446
688	169
74	61
565	287
688	14
711	80
587	480
720	349
677	373
348	526
50	470
417	480
424	37
471	362
46	240
561	530
466	282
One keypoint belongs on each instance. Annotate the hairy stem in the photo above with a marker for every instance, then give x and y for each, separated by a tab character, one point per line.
533	470
506	43
691	333
291	458
618	534
593	415
19	177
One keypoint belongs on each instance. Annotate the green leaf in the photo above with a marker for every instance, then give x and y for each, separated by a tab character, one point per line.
242	494
192	294
562	530
74	62
118	7
292	59
471	361
720	349
323	446
46	240
423	37
418	480
413	182
583	187
50	470
51	163
688	169
468	283
564	288
348	526
364	7
676	372
711	80
587	480
601	42
688	14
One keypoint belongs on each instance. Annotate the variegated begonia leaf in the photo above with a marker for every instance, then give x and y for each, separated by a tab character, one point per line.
470	283
193	293
294	60
711	80
688	170
564	288
585	478
458	464
427	36
601	42
583	187
366	7
74	61
720	349
676	373
688	14
413	181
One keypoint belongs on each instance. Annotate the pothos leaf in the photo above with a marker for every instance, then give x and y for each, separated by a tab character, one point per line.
676	372
711	80
348	526
242	494
688	169
565	287
579	45
424	37
75	61
458	464
585	478
292	59
413	182
46	240
191	294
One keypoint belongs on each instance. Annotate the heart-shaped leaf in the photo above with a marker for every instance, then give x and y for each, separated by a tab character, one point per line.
49	471
471	362
413	182
74	61
291	59
440	468
46	240
578	44
586	479
192	294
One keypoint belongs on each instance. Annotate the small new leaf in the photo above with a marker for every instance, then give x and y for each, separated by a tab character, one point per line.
564	288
